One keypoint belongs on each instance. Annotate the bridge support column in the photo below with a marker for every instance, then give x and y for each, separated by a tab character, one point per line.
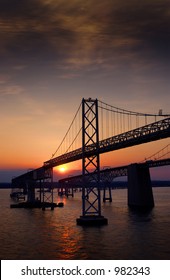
47	199
31	192
140	194
69	192
91	198
107	197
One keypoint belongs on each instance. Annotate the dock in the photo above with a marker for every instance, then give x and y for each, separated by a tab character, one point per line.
37	204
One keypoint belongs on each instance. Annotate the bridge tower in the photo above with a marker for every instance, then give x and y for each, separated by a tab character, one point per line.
91	199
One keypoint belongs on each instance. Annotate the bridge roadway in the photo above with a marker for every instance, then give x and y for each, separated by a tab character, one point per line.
151	132
109	174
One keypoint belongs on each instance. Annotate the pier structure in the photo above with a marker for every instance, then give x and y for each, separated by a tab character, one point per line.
140	195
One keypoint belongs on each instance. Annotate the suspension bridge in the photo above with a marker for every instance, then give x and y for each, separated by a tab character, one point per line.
99	128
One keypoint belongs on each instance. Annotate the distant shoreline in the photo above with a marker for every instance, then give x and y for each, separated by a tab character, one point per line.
116	184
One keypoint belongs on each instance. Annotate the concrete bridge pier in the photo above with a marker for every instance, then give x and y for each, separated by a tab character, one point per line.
69	192
107	194
31	192
140	194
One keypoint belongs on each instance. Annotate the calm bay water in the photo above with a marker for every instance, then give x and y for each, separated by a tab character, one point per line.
35	234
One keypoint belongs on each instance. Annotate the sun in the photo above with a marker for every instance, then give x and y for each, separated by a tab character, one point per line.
62	169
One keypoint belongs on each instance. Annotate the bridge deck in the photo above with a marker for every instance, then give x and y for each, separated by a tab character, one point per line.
117	171
152	132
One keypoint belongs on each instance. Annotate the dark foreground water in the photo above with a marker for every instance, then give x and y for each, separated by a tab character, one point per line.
36	234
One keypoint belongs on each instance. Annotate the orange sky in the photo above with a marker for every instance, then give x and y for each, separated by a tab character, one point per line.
26	144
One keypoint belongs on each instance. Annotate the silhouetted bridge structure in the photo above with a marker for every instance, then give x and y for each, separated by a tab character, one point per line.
107	175
84	142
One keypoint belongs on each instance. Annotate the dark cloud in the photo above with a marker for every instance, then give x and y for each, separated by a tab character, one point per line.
77	34
21	8
142	27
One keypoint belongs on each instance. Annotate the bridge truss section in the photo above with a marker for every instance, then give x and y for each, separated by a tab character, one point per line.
45	179
38	181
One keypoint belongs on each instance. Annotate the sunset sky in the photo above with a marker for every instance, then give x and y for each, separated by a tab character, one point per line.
55	52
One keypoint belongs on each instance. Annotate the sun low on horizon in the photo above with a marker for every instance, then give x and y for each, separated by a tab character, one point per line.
61	169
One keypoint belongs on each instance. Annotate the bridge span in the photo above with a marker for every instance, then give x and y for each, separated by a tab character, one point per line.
109	174
68	184
152	132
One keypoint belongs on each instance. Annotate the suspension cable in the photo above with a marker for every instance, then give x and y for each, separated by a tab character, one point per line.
166	147
127	112
67	131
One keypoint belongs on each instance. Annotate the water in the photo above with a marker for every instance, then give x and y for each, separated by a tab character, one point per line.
35	234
